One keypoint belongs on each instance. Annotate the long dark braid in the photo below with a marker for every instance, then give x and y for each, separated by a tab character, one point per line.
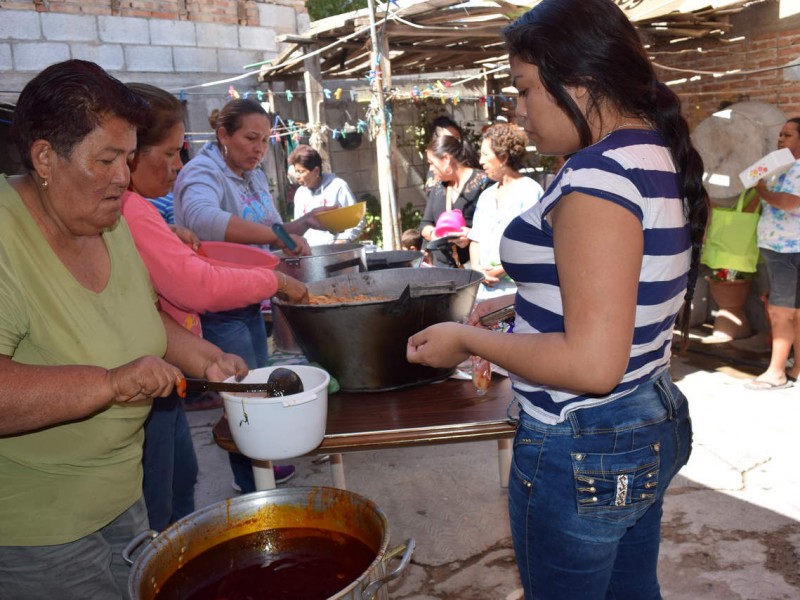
667	118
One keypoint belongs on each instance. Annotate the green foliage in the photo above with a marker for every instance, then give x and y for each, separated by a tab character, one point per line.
410	217
319	9
372	228
280	201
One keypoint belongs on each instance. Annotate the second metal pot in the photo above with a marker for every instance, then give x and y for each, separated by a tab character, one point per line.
393	259
324	261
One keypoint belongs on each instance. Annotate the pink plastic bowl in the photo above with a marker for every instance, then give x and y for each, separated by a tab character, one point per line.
450	221
238	256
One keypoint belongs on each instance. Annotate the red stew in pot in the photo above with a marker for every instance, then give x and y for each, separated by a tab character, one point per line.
276	564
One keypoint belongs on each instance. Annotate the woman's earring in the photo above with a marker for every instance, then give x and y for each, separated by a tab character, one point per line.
45	184
225	151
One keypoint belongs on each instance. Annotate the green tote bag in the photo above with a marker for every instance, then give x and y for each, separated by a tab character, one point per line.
731	238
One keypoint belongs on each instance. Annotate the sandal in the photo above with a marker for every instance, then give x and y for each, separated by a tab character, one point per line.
766	386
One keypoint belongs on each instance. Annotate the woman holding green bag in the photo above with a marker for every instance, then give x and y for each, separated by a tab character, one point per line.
779	241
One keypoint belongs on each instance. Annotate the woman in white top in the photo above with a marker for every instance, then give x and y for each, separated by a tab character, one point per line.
502	155
317	190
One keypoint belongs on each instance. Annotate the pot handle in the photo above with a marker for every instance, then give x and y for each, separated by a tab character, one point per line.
352	262
432	288
139	538
407	549
420	290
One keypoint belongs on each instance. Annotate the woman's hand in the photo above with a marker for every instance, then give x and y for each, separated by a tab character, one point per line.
310	219
291	290
224	365
142	379
301	246
492	304
779	200
187	236
492	275
437	346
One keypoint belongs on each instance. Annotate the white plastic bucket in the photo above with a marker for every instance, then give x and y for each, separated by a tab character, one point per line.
280	427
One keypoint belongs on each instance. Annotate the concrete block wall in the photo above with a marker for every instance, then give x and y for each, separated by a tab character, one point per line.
156	42
237	12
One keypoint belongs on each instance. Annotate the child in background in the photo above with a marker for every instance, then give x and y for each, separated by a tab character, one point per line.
412	240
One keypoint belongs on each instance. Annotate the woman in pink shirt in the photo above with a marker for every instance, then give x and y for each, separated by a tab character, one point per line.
186	285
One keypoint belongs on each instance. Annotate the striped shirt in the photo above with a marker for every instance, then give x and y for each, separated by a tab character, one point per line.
634	169
165	207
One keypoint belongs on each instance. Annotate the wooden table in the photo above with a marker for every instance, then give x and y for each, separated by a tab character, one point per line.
437	413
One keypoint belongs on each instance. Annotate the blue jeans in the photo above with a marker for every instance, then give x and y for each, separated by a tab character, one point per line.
170	463
585	496
239	331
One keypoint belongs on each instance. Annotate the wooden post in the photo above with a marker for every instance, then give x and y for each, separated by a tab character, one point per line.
379	56
315	105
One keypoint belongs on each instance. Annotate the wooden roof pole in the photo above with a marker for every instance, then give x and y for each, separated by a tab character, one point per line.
315	106
379	55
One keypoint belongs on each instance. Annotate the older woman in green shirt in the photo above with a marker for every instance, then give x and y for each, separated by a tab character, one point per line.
83	346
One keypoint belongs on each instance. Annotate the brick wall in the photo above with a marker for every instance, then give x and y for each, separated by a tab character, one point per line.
780	87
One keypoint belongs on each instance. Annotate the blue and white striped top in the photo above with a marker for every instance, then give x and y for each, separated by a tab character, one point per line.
633	168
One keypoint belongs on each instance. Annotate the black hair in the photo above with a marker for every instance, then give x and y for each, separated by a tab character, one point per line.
66	102
230	117
459	148
165	111
592	44
306	156
445	122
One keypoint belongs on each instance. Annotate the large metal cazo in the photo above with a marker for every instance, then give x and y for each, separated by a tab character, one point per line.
316	507
363	345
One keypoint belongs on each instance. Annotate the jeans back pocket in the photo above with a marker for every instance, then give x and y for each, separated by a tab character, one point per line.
616	486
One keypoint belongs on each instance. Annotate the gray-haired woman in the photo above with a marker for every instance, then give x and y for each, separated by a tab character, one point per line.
84	348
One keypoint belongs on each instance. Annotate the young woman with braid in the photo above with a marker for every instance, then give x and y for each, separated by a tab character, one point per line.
604	263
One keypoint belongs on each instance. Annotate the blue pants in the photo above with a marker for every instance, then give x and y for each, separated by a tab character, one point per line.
170	463
586	495
240	331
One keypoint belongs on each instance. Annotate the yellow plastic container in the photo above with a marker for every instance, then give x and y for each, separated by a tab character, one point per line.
339	219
